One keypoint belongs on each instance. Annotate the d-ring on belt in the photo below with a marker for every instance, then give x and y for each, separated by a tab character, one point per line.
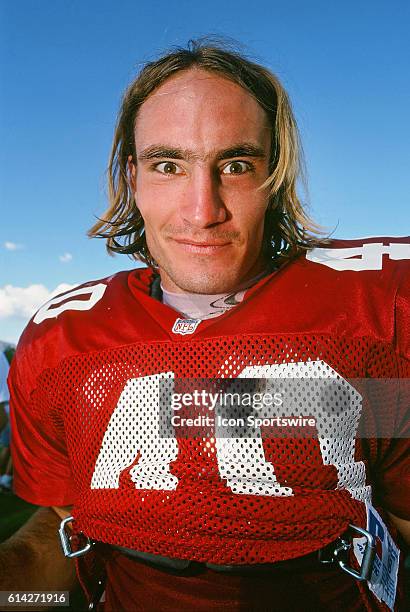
336	552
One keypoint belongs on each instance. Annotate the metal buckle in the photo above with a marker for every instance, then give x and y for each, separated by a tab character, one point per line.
65	540
343	546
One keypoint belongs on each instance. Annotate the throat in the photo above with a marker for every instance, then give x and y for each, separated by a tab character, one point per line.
203	306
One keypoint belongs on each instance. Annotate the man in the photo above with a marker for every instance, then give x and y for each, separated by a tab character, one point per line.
4	392
203	188
5	461
4	397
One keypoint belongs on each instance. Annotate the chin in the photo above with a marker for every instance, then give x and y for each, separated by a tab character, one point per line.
210	282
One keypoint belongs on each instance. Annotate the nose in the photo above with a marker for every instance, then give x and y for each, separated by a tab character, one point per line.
202	204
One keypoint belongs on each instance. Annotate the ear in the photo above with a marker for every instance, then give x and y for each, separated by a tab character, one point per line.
132	173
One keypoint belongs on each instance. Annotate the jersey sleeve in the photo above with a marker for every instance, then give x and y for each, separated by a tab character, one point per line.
402	318
42	473
4	368
393	472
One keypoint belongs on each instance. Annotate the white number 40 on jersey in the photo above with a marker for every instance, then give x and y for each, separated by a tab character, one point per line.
133	430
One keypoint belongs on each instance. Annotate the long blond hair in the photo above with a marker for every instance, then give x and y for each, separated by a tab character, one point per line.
288	228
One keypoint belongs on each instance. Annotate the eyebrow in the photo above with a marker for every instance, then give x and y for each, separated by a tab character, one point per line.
243	149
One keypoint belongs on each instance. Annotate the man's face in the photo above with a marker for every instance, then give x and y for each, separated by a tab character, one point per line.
202	148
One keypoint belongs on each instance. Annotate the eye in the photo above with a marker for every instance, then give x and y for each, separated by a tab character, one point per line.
168	168
237	167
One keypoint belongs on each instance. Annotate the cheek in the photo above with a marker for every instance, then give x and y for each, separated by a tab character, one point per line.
255	229
156	197
252	216
152	203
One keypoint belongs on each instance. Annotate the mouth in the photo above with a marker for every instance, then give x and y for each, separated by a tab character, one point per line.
211	246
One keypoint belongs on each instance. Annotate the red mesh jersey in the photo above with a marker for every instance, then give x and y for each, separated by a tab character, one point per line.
85	406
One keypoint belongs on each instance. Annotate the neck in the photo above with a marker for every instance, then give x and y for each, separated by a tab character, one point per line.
207	306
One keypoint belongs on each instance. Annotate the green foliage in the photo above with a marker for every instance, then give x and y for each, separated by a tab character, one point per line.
14	513
9	352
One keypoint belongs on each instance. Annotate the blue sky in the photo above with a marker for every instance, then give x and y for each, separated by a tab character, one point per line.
64	65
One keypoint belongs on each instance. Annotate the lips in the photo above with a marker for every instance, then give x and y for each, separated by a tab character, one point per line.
200	247
201	244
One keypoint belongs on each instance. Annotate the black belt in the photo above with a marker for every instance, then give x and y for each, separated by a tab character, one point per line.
187	567
335	552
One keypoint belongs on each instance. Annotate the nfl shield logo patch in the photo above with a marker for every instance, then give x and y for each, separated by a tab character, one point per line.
185	326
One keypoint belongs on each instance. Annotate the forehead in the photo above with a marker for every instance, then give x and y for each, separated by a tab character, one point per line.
199	109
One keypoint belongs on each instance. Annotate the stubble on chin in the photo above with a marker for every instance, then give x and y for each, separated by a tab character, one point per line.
202	281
